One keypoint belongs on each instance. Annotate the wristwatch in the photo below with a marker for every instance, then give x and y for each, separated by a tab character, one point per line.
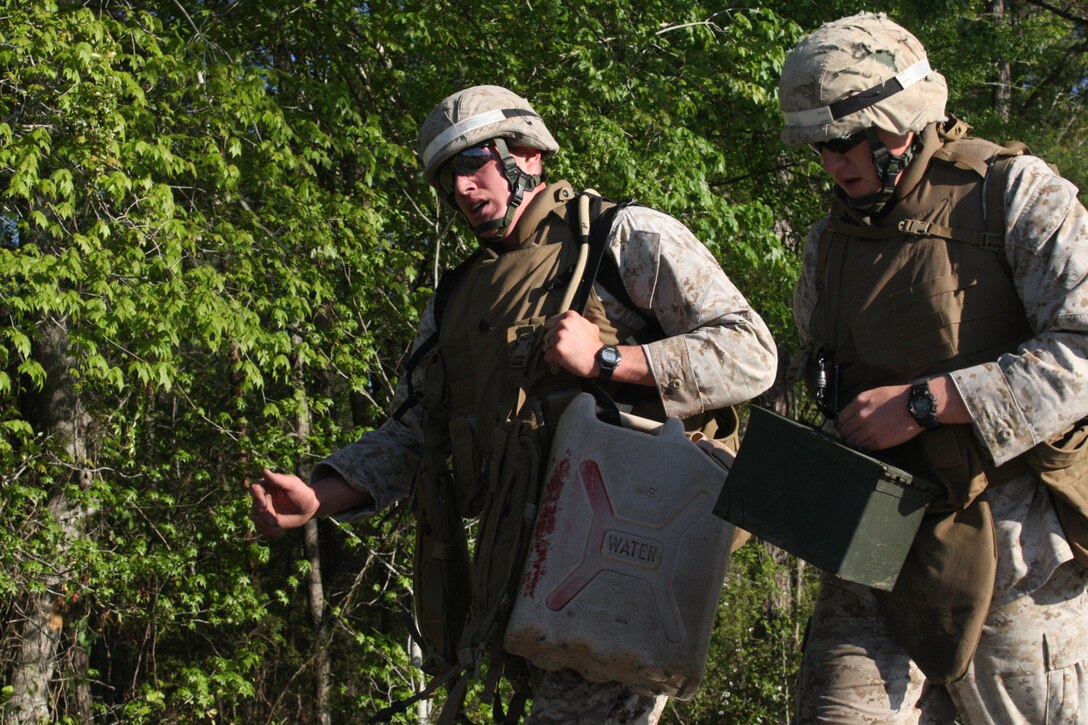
608	357
922	405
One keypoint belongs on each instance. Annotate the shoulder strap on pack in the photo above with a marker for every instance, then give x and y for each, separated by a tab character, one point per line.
601	216
442	293
601	267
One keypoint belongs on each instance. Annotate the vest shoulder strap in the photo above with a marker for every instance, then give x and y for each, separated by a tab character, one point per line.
960	151
994	202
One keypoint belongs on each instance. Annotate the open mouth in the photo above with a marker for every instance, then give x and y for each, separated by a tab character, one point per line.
851	185
478	211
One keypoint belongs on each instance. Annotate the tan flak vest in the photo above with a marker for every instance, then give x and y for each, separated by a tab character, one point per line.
491	332
923	290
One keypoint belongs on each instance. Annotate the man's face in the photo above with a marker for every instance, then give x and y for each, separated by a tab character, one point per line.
853	170
479	187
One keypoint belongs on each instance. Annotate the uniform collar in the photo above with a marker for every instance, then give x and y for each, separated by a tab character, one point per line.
552	199
916	169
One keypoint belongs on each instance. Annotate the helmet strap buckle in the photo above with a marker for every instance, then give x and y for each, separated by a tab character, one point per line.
888	168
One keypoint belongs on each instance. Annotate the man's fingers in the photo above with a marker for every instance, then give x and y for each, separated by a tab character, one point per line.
259	496
272	477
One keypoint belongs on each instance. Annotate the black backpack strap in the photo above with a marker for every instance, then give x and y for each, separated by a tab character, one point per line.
442	292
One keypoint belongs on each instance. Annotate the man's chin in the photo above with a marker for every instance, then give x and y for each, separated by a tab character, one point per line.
488	230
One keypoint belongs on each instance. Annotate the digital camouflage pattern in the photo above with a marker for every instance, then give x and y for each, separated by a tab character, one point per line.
1030	659
850	57
1016	401
564	698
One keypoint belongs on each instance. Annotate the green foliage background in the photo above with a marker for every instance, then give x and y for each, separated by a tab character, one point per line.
220	204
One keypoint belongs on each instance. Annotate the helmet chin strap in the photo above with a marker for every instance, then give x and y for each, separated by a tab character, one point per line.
520	182
888	168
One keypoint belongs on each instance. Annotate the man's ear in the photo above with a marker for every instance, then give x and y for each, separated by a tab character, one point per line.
529	159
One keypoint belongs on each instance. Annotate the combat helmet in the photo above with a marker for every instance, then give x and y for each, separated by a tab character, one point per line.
860	73
475	116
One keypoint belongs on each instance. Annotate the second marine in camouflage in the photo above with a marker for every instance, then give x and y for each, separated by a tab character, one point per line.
947	293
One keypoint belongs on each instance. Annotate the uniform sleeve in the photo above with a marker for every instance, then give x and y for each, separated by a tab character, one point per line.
1039	390
717	350
384	461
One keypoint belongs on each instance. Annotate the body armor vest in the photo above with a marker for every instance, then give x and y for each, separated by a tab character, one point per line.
490	342
898	302
501	403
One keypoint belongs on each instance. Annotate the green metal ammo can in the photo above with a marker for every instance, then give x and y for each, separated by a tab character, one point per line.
804	491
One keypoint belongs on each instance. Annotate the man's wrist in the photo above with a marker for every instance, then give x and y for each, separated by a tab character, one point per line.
922	405
333	494
608	359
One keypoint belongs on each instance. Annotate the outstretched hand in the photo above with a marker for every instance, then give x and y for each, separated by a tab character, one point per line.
281	501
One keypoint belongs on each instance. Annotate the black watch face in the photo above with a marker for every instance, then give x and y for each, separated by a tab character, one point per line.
610	356
921	406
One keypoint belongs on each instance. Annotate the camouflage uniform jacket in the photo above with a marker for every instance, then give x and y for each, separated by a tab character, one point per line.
717	351
1035	392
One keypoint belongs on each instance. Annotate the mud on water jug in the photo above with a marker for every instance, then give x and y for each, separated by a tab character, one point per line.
627	559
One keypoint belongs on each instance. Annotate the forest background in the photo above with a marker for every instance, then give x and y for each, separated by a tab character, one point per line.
215	244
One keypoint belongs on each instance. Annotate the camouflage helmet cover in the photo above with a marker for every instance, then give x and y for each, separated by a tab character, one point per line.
475	115
858	72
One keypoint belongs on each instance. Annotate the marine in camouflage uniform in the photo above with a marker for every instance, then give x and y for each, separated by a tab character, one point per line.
923	229
715	350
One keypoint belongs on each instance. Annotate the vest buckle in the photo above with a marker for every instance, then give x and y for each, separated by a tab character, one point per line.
521	345
916	227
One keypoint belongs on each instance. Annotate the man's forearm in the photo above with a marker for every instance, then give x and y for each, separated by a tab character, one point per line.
335	495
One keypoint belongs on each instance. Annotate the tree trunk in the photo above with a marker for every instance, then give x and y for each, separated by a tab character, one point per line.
58	415
322	665
82	703
1003	87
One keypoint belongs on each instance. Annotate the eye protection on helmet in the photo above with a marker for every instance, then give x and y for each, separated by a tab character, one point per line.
840	145
465	163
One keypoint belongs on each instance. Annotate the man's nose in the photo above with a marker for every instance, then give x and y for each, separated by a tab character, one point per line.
832	159
463	183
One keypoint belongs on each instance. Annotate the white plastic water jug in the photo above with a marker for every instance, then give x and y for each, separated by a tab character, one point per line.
627	559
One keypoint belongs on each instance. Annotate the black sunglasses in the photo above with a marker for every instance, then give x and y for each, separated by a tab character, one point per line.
840	145
466	163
